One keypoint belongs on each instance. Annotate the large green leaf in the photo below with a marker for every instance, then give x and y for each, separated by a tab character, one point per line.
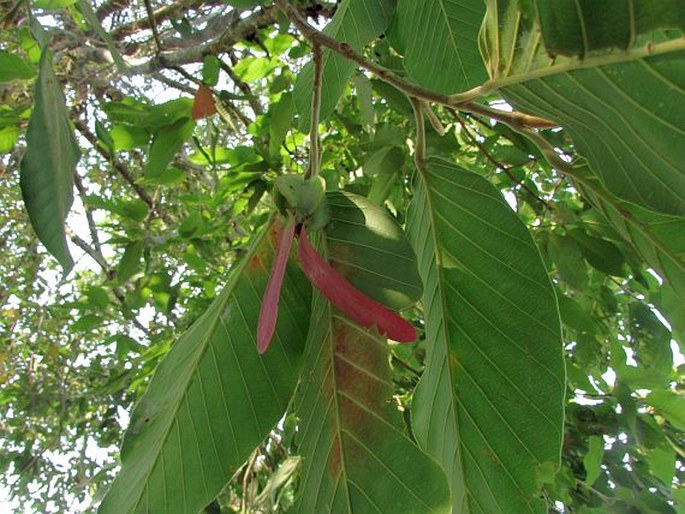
627	119
213	398
357	23
356	458
438	39
489	405
578	27
370	249
49	164
625	110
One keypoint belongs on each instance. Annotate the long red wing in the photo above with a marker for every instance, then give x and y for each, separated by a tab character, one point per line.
268	312
343	295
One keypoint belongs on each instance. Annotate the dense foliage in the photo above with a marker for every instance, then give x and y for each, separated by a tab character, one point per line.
508	175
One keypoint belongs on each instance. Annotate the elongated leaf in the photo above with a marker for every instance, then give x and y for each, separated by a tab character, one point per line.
213	398
370	249
489	405
91	18
49	164
355	457
357	23
627	119
438	39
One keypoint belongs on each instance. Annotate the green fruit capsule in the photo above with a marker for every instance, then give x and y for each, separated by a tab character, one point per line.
302	196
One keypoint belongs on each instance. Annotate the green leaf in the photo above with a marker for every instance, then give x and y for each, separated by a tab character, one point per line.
368	247
670	405
282	113
52	4
245	4
626	119
624	109
658	238
8	138
593	459
49	164
13	67
166	143
210	70
357	23
356	457
489	406
568	259
130	262
662	464
213	398
252	69
439	41
576	28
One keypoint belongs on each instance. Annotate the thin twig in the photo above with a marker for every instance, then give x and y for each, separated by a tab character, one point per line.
463	101
92	228
243	87
420	150
123	171
506	169
314	141
153	25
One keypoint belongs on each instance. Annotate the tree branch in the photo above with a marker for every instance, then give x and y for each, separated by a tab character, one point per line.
123	170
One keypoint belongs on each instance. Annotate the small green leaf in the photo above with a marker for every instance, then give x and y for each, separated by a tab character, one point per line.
8	138
568	259
245	4
130	262
52	4
357	23
166	143
662	464
49	164
210	70
252	69
14	67
593	459
670	405
282	113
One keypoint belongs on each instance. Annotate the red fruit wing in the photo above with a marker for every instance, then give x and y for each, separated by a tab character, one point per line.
345	297
268	312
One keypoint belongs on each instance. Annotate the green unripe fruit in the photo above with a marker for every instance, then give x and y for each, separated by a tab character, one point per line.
302	196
